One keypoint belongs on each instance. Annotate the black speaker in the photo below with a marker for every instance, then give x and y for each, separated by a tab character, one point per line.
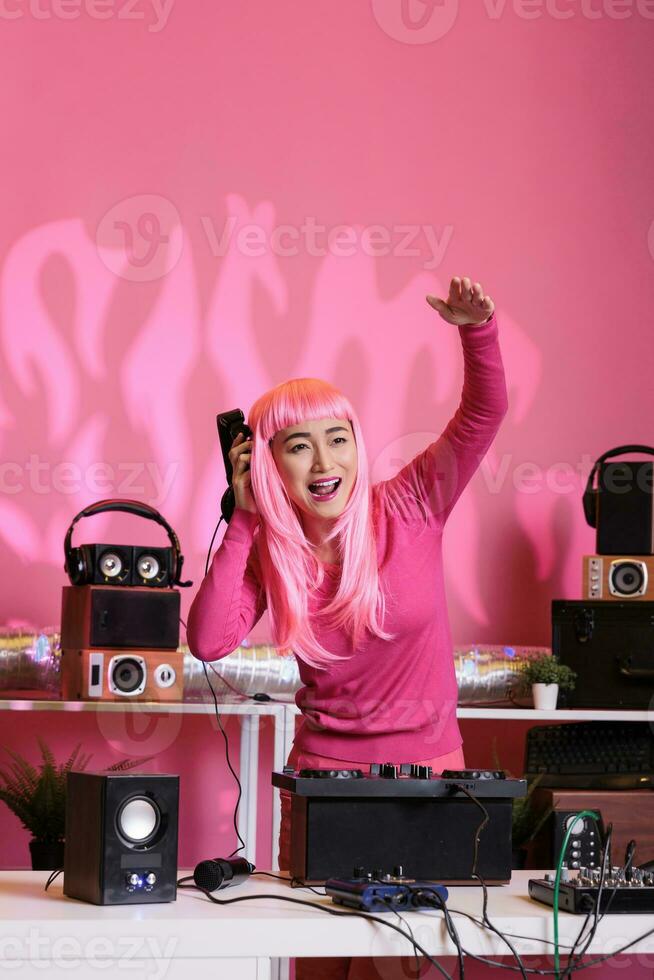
121	837
624	524
433	839
584	848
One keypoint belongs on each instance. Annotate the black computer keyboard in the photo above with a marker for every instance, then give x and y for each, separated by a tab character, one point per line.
591	755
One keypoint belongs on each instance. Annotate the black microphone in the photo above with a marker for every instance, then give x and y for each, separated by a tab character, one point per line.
221	873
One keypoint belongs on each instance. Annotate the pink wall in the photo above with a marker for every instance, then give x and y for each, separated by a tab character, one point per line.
508	141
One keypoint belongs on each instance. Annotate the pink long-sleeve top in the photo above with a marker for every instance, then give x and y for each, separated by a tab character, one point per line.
389	700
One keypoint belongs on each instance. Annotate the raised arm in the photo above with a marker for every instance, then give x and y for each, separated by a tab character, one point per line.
230	600
430	485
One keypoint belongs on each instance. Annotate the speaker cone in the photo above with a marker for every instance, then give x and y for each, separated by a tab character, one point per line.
628	578
127	675
148	567
138	820
111	564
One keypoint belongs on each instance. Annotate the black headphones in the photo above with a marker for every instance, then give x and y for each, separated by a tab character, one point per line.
591	496
76	564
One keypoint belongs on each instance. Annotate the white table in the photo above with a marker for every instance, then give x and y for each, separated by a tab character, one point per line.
46	932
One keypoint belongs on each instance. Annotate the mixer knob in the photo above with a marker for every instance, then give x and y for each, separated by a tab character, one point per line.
421	772
398	871
389	771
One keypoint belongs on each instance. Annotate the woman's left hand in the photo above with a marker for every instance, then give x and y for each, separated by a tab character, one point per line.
466	303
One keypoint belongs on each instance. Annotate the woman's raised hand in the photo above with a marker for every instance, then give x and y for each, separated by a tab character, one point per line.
466	303
240	455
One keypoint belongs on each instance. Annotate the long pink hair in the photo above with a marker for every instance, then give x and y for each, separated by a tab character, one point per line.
288	563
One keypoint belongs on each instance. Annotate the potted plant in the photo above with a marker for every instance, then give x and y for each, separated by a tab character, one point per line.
526	821
37	795
545	676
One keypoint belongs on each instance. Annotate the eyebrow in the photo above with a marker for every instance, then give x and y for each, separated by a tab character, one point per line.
307	435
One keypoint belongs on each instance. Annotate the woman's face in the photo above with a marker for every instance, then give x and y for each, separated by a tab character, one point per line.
317	451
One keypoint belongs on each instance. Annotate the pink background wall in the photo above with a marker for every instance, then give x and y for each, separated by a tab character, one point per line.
202	200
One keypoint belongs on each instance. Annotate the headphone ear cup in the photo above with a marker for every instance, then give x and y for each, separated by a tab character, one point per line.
78	567
590	506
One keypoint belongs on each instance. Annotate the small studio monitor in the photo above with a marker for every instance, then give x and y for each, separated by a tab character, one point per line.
122	675
121	838
624	577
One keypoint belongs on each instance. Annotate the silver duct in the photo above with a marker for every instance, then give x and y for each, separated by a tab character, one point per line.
484	673
30	666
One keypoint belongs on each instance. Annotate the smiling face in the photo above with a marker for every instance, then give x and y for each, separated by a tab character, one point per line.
317	451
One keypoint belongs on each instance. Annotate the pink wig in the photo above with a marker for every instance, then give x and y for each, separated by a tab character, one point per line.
287	561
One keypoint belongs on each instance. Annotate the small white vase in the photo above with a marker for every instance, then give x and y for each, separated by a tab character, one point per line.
545	696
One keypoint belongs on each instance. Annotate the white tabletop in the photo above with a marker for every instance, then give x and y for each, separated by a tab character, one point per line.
195	927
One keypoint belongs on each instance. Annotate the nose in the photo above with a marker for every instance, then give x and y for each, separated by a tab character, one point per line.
322	459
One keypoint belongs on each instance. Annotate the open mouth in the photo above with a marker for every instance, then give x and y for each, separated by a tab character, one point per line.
325	491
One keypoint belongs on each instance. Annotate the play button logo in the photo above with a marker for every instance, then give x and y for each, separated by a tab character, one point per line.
415	21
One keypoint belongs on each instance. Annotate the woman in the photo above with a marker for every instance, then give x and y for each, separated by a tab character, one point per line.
353	578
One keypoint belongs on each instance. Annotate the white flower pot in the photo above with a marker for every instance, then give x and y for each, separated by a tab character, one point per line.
545	696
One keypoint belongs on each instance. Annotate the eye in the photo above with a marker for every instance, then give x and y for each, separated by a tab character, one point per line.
298	445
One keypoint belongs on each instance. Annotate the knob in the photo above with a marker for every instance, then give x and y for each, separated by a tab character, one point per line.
421	772
151	878
133	879
378	873
358	873
389	771
398	871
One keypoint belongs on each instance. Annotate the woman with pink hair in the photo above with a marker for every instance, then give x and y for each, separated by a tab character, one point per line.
352	574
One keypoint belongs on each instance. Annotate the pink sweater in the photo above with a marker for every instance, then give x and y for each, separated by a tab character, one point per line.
390	701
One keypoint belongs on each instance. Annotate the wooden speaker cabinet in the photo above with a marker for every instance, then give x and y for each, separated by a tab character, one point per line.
628	577
118	617
122	675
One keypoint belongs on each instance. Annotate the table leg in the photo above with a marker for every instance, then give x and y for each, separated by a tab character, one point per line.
279	761
280	968
247	813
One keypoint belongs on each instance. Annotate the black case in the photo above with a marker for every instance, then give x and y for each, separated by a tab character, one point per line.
610	645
